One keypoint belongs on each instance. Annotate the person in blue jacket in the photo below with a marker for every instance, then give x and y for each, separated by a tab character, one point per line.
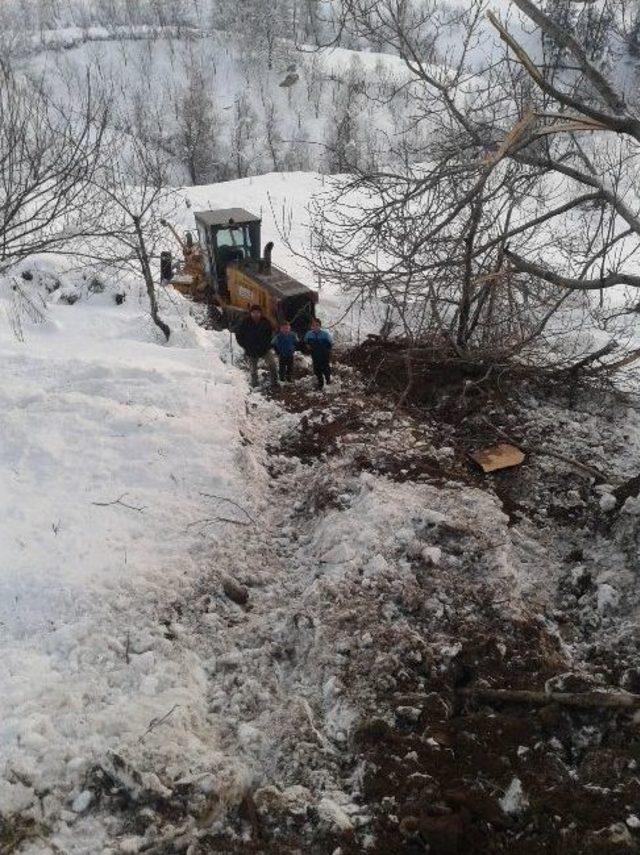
319	343
285	343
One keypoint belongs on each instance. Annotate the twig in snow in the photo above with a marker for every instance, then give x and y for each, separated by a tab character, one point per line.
319	736
245	439
156	722
48	843
127	649
122	504
180	840
212	520
231	502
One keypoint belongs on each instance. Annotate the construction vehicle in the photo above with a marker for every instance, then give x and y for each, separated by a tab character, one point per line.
228	270
189	279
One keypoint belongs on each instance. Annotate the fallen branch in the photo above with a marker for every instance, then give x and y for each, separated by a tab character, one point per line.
231	502
578	700
589	470
610	367
592	357
324	742
212	520
156	722
122	504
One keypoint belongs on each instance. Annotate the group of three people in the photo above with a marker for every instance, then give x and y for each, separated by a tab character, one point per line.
255	335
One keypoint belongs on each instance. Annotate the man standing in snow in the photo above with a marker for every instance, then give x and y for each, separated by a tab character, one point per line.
254	336
285	344
320	343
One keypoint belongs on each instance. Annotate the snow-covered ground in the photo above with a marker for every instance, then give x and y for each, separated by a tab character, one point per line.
110	438
141	483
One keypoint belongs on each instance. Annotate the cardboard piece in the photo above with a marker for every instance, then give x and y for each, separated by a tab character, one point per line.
498	457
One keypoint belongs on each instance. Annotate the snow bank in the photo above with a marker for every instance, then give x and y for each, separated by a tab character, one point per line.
110	437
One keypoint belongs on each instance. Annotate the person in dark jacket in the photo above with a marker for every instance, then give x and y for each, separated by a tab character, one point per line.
319	343
254	336
285	343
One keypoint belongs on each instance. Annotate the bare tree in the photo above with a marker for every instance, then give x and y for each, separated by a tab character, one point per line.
273	136
259	23
135	196
522	197
243	142
199	128
49	155
344	139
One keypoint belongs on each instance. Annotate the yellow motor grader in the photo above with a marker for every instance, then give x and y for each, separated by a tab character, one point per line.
226	269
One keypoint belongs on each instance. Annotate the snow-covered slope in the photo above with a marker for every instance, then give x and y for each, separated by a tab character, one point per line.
110	438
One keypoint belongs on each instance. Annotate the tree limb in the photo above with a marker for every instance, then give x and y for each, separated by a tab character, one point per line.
578	700
574	284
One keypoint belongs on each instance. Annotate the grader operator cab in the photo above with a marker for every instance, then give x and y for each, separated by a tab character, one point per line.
229	271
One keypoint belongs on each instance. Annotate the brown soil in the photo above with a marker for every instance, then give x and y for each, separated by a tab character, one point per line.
434	779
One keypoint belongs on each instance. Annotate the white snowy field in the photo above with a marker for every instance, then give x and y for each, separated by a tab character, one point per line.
109	439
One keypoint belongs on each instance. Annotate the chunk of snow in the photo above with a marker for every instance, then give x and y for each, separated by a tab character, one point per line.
632	506
333	816
608	598
82	801
601	489
342	553
607	502
131	845
514	800
432	555
408	713
14	798
451	650
377	566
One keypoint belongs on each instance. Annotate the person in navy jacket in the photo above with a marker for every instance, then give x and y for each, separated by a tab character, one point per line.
319	343
285	343
254	336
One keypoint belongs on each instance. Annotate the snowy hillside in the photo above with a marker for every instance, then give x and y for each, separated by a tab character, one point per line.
209	599
110	441
246	112
392	613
